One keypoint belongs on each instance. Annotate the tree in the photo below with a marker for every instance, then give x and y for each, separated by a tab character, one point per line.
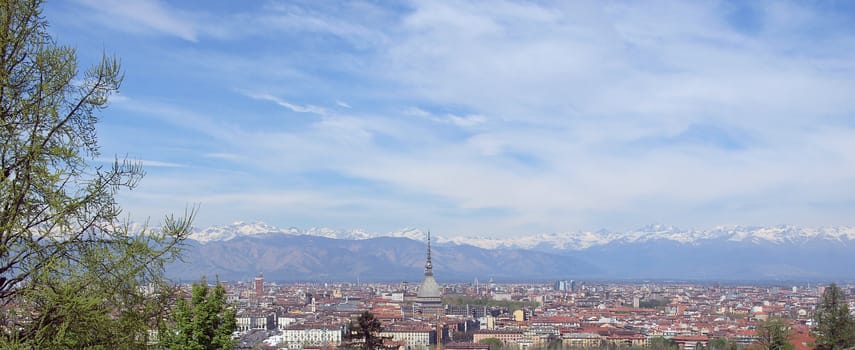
204	323
73	274
494	343
364	333
661	343
554	342
723	344
773	334
835	328
718	344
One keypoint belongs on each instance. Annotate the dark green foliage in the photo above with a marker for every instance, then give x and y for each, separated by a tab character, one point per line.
554	342
660	343
494	343
72	273
653	303
364	333
204	323
835	328
723	344
773	334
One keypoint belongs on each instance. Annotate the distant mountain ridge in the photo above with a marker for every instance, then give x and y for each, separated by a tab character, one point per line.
286	257
240	250
240	228
579	240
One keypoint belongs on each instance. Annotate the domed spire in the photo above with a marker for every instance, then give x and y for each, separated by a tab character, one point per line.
429	291
428	264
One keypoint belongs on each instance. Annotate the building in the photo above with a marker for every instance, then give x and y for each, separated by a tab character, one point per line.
413	337
628	340
506	336
582	339
306	335
466	346
259	285
519	315
565	286
283	322
691	342
429	297
248	320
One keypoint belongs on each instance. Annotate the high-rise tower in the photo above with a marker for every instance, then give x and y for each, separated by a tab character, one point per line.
429	296
259	285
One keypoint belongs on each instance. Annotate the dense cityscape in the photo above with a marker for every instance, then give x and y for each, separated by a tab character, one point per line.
534	135
563	313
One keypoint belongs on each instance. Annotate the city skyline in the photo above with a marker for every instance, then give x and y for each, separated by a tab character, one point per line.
492	119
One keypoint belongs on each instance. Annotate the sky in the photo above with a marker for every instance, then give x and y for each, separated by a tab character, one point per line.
479	118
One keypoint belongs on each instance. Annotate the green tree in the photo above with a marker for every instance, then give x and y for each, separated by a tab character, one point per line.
652	303
73	274
723	344
661	343
835	328
718	344
206	322
364	333
773	334
494	343
554	342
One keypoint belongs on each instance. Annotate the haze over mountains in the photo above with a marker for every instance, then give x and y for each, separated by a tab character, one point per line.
241	250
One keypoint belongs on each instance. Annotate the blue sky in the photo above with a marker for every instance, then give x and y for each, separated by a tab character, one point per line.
484	118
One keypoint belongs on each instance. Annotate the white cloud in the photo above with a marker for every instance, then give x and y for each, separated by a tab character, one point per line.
288	105
146	163
224	156
554	116
464	121
467	120
143	15
159	164
416	112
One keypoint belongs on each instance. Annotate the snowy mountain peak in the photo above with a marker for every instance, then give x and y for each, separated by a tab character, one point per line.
233	230
240	228
578	240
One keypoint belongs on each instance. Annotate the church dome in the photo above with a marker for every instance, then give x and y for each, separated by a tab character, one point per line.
429	288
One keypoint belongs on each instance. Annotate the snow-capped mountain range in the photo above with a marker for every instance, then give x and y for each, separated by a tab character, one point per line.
240	228
580	240
782	252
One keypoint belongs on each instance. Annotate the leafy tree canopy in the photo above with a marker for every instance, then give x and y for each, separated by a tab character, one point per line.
494	343
204	323
773	334
364	333
73	274
835	327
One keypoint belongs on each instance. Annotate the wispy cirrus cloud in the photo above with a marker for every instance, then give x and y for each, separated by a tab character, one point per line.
293	107
144	162
225	156
143	16
542	117
155	163
463	121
